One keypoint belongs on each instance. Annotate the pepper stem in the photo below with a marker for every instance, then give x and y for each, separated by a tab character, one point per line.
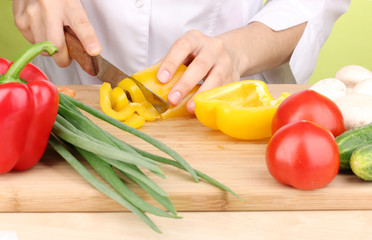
12	75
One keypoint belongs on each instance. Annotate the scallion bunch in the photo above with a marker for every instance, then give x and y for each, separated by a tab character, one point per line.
109	156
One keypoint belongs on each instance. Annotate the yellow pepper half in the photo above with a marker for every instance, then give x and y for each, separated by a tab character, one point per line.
242	110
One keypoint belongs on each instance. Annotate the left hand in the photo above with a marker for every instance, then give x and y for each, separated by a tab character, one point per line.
208	58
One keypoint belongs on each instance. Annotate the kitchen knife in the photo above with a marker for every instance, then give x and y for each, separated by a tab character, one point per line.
105	71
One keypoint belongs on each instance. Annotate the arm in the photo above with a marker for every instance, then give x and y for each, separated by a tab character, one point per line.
225	58
267	48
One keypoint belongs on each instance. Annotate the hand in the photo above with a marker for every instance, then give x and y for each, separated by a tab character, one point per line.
43	20
208	58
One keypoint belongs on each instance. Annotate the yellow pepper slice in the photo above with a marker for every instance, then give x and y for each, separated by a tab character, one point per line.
135	120
115	104
180	110
242	110
119	99
136	95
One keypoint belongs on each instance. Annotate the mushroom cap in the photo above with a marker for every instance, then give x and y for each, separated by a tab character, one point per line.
352	74
363	87
356	110
332	88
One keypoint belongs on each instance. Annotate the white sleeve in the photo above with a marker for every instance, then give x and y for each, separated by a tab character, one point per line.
320	16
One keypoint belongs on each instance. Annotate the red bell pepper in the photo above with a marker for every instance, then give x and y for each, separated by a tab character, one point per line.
28	109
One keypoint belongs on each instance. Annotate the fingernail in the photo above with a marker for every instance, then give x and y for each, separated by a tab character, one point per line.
163	76
175	98
93	49
191	106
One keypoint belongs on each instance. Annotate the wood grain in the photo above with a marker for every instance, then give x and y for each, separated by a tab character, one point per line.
278	225
53	186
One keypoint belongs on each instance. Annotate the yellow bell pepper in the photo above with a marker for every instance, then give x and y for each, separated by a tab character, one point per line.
242	110
148	78
115	103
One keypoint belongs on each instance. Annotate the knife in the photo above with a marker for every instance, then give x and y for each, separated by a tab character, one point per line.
106	71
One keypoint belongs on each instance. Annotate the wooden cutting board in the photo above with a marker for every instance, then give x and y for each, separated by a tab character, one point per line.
53	186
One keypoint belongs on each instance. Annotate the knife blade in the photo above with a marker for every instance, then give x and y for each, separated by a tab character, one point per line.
106	71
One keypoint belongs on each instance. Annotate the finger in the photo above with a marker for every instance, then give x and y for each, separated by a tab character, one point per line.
188	59
80	24
18	6
55	34
213	80
178	53
36	23
196	71
29	21
24	28
21	21
220	75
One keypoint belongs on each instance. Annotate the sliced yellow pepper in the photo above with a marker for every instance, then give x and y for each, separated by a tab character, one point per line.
135	120
136	95
179	110
118	99
242	110
148	78
115	104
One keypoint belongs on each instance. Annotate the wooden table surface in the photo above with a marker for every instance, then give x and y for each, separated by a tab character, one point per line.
63	206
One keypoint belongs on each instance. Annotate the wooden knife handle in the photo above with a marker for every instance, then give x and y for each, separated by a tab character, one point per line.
78	53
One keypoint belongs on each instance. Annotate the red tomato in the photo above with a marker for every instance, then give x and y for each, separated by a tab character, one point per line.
303	155
312	106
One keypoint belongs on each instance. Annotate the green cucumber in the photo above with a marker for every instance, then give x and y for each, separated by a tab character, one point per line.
350	140
361	162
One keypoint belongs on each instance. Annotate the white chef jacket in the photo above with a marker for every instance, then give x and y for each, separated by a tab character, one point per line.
135	34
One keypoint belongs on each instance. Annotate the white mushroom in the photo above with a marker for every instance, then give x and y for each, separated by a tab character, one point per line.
356	110
332	88
352	74
351	90
363	87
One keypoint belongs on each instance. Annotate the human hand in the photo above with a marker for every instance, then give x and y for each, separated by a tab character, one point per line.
42	20
208	58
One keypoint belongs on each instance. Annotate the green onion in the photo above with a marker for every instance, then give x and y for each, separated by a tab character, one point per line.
111	157
177	165
161	146
106	171
99	148
58	146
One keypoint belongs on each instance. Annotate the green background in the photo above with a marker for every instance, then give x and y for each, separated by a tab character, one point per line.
349	43
12	43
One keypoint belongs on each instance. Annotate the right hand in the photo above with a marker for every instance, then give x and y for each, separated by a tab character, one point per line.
43	20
